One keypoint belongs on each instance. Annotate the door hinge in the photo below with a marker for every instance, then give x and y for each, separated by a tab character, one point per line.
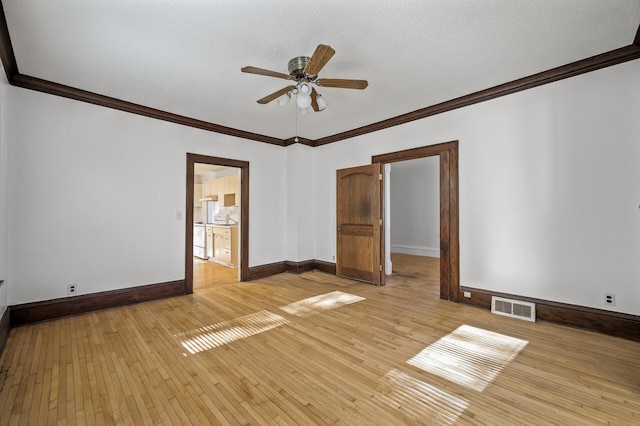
380	268
380	176
380	222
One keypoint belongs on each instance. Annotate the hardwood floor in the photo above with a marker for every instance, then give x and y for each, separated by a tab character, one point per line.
207	275
410	271
315	349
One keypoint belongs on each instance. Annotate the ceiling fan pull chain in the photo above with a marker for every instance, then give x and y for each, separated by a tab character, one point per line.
296	138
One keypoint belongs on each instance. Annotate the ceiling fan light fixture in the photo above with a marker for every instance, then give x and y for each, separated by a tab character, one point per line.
305	89
303	101
303	73
322	103
284	99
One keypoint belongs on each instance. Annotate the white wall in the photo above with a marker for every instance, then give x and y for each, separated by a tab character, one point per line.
300	207
549	187
83	210
415	207
4	87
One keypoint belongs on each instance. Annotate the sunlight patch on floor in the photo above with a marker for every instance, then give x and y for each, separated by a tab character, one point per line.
222	333
469	356
419	400
322	302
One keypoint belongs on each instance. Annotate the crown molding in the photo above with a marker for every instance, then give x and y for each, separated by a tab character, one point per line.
6	48
593	63
302	141
52	88
614	57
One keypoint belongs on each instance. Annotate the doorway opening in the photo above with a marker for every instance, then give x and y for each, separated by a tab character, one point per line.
449	262
217	219
412	224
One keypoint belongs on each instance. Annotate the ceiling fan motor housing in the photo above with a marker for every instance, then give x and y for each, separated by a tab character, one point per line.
297	66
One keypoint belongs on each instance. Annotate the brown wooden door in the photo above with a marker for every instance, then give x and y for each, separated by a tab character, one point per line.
359	224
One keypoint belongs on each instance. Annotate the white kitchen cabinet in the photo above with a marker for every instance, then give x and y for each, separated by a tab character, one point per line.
229	191
220	187
197	194
234	186
209	246
226	244
217	245
213	187
223	187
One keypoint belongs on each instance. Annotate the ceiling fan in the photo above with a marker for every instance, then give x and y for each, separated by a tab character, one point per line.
303	70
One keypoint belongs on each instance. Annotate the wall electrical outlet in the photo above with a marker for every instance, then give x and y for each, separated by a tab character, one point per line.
178	215
72	288
466	293
333	257
610	299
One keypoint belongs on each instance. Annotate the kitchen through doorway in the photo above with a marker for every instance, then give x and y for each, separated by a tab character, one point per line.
217	222
216	212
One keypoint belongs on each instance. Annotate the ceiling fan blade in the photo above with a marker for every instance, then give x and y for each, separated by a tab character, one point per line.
342	83
314	100
275	95
261	71
319	59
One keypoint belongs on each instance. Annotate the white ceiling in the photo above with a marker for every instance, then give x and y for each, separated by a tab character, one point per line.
206	169
184	56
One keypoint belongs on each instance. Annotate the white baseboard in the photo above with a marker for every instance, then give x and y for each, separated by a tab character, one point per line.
415	250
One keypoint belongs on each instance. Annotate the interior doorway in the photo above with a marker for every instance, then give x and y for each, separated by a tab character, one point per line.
217	225
217	215
412	223
449	264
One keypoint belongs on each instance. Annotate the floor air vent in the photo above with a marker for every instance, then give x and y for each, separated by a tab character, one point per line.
513	308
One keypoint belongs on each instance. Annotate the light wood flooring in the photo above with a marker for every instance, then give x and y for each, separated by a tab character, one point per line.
315	349
208	274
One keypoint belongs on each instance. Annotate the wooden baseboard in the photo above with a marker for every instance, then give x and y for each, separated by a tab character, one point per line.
5	327
299	267
612	323
415	250
50	309
263	271
328	267
616	324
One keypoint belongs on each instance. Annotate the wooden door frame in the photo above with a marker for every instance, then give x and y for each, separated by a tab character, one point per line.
244	213
449	209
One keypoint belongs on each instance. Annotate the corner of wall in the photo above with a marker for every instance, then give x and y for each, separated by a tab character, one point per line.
299	207
4	187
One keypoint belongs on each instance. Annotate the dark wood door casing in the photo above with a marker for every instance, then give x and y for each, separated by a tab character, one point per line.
244	213
449	213
358	219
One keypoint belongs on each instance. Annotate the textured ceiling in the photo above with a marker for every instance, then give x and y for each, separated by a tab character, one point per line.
184	56
204	169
